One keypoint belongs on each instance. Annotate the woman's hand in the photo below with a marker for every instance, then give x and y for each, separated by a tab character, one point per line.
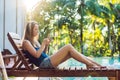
46	41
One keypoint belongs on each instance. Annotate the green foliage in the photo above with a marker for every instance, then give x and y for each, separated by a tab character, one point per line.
68	22
94	43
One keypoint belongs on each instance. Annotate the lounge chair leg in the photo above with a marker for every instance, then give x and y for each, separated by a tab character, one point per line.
118	75
3	71
112	78
24	78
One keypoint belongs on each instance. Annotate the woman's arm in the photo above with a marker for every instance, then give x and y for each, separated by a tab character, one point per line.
28	46
47	45
46	48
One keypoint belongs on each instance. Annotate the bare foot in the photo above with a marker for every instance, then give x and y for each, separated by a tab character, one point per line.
96	67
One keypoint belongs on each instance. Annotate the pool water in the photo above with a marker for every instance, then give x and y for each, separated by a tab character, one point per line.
113	62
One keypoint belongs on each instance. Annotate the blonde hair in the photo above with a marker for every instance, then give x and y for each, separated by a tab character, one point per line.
29	32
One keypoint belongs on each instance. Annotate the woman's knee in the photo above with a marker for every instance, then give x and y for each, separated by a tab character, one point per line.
69	46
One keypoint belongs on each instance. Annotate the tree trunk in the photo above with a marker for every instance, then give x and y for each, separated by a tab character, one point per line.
94	51
81	27
109	37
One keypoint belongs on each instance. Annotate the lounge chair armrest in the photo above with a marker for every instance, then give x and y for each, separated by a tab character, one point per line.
10	56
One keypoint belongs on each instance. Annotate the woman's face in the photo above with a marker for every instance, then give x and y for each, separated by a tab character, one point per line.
35	30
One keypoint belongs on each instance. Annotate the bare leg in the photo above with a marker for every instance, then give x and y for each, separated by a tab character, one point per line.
92	61
67	52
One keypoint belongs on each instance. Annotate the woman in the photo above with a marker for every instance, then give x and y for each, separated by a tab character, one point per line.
37	55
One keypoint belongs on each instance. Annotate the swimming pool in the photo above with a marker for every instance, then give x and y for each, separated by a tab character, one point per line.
105	61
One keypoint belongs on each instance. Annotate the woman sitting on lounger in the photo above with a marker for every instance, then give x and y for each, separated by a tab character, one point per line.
37	55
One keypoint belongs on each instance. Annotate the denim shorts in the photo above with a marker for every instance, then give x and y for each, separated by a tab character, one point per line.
46	63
